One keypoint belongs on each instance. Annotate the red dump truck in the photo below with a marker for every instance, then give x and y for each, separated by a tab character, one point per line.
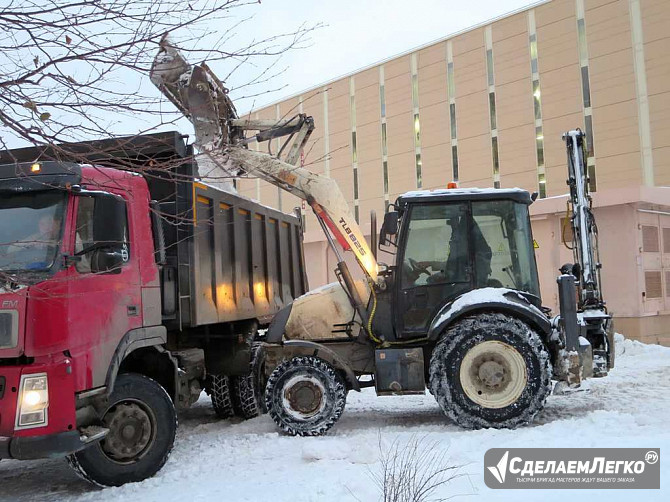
126	287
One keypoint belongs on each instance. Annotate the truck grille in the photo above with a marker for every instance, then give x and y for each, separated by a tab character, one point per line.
8	328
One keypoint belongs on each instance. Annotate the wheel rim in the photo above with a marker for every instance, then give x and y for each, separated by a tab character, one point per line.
132	431
303	397
493	374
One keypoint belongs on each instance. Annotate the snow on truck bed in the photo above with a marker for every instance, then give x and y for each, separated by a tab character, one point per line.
218	460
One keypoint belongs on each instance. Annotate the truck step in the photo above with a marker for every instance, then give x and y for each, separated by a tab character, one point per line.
92	433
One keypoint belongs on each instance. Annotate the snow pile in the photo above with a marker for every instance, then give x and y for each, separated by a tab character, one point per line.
249	461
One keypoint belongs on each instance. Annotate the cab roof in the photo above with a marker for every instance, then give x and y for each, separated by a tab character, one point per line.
461	194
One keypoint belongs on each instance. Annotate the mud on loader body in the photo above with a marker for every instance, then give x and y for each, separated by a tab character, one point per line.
457	312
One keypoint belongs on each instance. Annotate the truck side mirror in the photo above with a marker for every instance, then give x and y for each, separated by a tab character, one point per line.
389	227
107	261
109	221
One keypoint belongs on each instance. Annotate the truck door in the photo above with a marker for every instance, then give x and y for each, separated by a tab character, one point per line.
434	264
103	305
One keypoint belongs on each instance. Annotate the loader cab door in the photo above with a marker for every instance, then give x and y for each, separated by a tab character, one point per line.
434	264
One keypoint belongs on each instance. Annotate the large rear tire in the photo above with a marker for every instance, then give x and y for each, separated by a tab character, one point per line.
490	370
247	390
219	387
142	423
305	396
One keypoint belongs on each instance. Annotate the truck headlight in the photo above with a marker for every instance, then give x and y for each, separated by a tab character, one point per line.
33	401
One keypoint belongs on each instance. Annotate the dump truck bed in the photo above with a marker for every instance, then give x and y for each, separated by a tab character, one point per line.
227	258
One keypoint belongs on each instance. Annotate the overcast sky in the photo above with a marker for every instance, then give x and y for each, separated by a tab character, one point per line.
359	33
354	34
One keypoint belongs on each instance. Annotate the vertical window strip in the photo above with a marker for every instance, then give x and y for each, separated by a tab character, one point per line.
451	95
586	93
278	146
416	121
490	73
384	145
537	105
354	146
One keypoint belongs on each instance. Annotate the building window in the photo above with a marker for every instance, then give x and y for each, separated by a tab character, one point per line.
537	99
494	150
588	121
354	149
454	161
450	80
489	65
417	129
586	90
533	53
384	145
382	100
539	145
492	109
418	170
452	115
385	169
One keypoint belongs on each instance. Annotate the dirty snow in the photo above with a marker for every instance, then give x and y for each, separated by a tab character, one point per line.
217	460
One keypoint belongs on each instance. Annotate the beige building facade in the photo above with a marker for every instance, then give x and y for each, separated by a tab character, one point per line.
487	108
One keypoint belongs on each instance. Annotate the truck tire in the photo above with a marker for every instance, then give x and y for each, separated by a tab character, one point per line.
247	390
305	396
142	423
219	390
490	370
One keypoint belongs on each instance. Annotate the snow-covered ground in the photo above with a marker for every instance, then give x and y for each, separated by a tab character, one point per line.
217	460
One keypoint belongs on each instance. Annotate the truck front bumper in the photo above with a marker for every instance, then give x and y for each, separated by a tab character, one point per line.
34	447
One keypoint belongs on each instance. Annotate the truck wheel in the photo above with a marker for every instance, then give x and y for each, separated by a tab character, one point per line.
305	396
142	423
490	370
219	390
247	390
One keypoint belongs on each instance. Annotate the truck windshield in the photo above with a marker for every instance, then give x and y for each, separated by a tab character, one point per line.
503	243
30	230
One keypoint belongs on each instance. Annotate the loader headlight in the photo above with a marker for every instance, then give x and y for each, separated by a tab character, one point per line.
33	401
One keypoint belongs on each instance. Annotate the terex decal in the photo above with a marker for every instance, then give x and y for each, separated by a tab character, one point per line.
352	237
10	304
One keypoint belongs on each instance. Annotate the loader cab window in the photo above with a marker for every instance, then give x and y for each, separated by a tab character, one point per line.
503	246
435	263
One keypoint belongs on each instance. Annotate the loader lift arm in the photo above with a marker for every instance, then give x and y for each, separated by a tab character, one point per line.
584	229
220	136
584	319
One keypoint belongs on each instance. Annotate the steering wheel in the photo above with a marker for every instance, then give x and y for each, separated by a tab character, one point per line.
418	268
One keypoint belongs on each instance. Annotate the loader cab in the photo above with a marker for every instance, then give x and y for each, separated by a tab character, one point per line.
449	242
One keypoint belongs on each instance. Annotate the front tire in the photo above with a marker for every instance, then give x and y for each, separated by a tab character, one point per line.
305	396
490	370
142	423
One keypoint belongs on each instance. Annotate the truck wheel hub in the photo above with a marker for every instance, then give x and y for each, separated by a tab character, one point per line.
131	431
304	396
493	374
